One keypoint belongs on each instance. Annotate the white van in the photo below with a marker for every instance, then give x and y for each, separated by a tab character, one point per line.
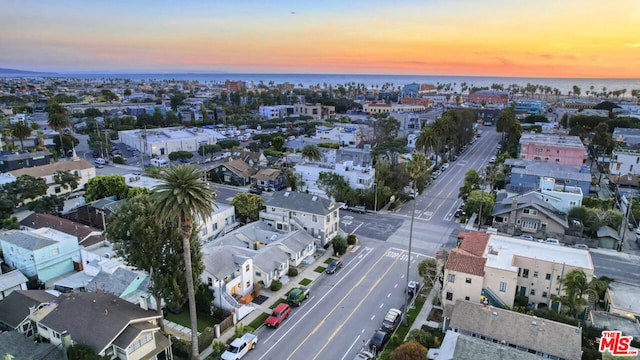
159	162
100	161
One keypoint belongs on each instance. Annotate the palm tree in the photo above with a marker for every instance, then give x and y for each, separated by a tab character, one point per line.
416	168
183	198
58	120
312	153
576	287
21	131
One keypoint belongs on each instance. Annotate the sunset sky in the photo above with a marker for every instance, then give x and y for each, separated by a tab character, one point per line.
533	38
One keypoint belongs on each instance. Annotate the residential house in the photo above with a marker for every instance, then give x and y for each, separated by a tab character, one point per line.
87	236
234	172
627	137
629	326
275	111
525	175
17	346
77	166
297	244
318	216
317	111
228	273
254	159
269	179
11	281
45	253
344	135
622	299
496	268
17	306
13	161
529	213
460	346
125	283
558	149
270	263
358	177
112	327
96	213
545	338
625	162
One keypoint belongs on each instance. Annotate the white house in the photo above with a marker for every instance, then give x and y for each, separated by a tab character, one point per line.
289	211
45	253
560	196
625	162
84	169
275	112
13	280
358	177
221	220
344	135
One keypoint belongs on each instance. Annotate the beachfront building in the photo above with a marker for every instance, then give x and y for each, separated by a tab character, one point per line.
163	141
497	268
342	134
489	97
558	149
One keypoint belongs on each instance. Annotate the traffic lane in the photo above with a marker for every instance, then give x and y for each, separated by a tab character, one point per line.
372	226
615	267
316	323
359	306
326	291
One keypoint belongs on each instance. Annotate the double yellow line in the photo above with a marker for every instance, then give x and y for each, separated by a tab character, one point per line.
340	302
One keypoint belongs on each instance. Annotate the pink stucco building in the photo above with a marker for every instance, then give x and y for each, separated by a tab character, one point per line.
557	149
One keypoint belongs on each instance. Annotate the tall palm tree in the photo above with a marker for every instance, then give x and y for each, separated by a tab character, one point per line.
58	120
21	131
312	153
426	140
183	198
416	168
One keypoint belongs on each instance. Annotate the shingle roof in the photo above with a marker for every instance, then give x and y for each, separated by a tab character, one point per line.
239	168
301	202
15	307
114	283
11	279
460	346
26	239
82	232
270	258
221	261
21	347
539	334
94	319
45	170
267	174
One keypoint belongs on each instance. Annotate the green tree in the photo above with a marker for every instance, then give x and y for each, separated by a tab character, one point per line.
429	270
58	119
154	247
339	245
603	138
247	206
411	350
277	142
108	95
47	205
209	149
26	187
576	286
66	179
311	152
83	352
424	338
183	198
479	199
21	131
472	181
176	100
104	186
180	155
137	191
228	144
336	187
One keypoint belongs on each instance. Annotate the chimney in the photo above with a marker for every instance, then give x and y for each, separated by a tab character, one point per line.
514	202
66	343
143	302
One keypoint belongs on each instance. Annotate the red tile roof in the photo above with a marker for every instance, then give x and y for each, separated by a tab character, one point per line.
474	242
460	260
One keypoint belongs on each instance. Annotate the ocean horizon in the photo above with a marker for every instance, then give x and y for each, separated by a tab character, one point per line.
370	80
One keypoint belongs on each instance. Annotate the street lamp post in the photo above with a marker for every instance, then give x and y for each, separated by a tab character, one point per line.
625	223
375	197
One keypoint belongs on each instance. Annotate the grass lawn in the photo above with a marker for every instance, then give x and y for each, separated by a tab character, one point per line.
305	282
320	269
255	324
204	320
328	261
279	301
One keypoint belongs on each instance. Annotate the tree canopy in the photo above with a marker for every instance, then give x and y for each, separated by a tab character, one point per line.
104	186
247	206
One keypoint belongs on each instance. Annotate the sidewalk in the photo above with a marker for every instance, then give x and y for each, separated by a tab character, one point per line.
421	319
308	273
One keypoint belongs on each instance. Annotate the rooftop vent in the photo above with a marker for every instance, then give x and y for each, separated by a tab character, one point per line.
286	194
314	198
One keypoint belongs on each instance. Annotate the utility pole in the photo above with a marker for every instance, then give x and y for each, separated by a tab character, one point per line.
625	223
481	199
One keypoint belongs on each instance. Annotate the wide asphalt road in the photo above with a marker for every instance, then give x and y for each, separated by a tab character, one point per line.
344	308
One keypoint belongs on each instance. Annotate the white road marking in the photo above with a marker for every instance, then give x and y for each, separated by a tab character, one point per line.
395	286
381	305
388	295
373	317
350	347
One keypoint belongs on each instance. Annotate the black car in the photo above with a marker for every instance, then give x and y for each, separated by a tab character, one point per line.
255	191
379	340
334	266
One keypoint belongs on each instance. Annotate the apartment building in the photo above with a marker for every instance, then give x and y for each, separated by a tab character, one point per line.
625	162
558	149
358	177
383	108
489	97
498	267
317	110
163	141
344	135
275	111
288	211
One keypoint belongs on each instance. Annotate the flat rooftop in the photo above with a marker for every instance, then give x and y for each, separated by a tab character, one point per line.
625	297
508	247
552	140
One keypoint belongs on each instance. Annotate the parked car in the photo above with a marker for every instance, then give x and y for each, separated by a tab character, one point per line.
240	347
334	266
581	246
412	287
297	295
255	191
379	340
492	159
279	314
100	161
392	319
526	237
358	209
552	241
364	355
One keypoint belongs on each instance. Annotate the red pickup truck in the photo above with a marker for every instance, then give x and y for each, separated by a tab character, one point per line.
278	315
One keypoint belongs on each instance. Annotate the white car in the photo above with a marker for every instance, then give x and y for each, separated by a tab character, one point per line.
492	159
